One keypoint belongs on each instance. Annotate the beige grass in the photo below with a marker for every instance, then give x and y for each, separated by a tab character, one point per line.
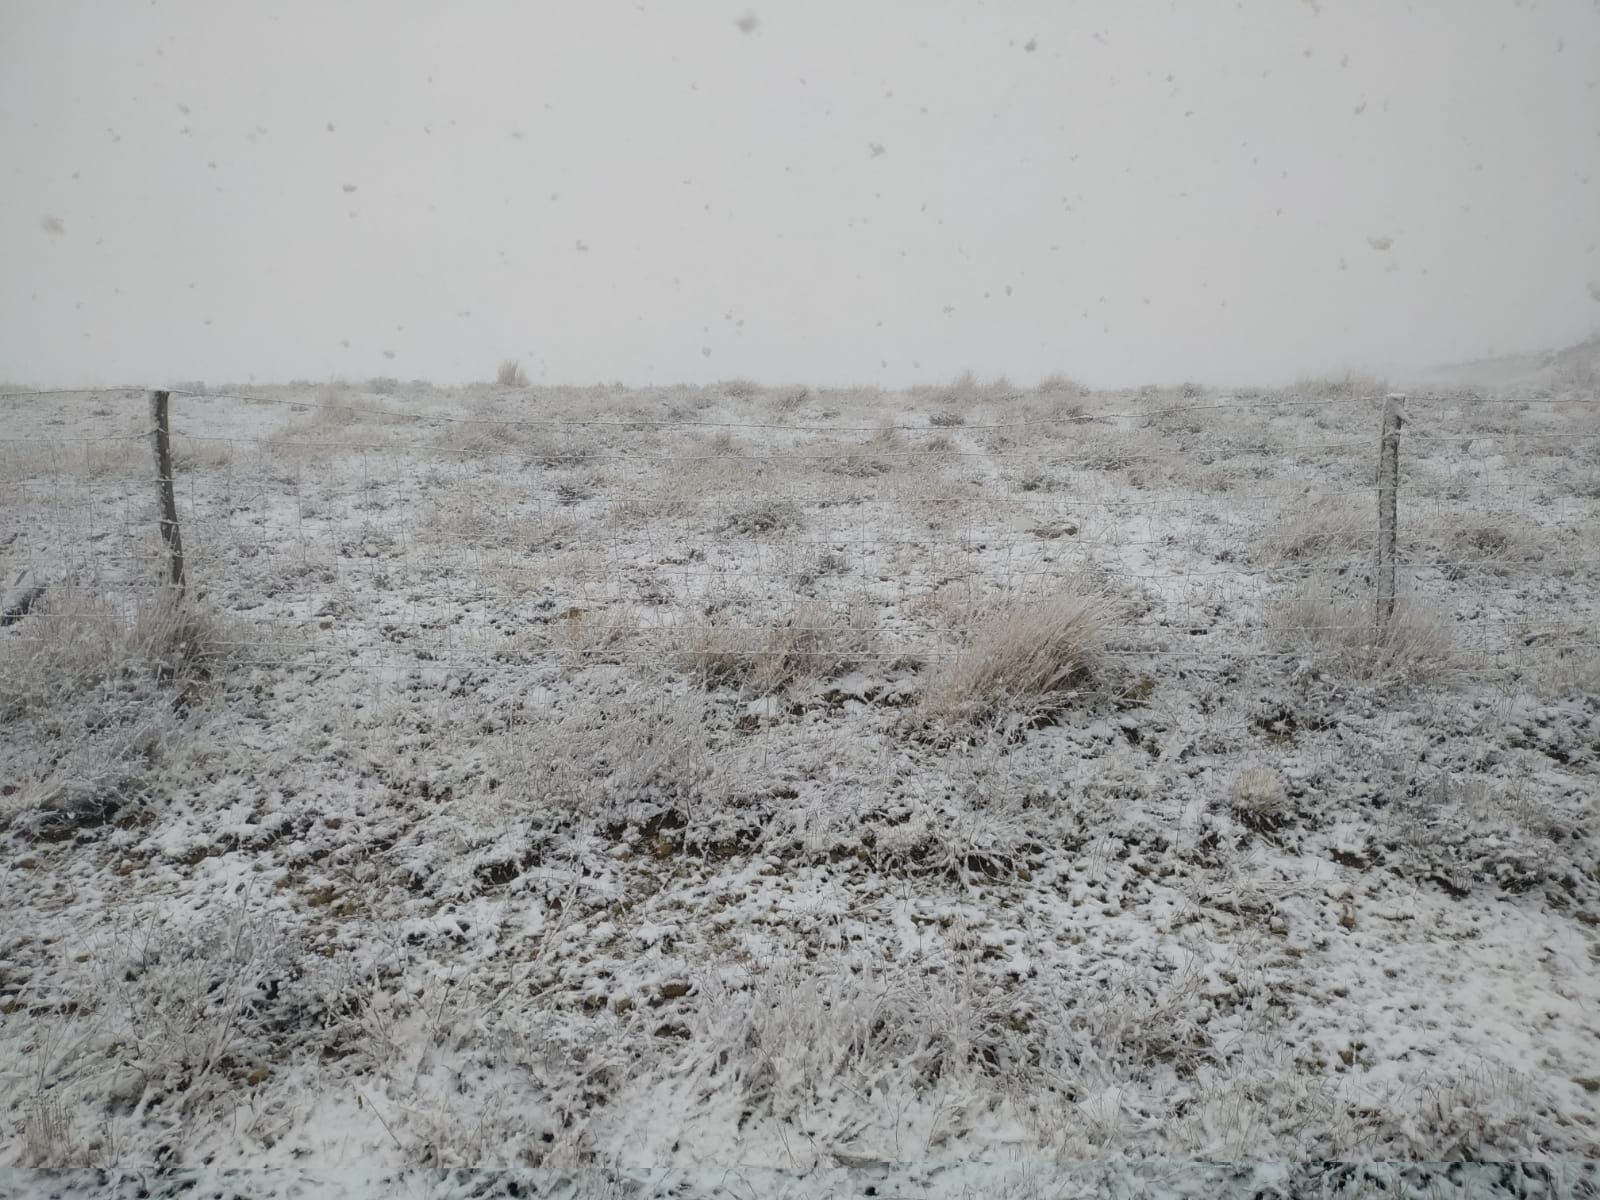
1342	637
1488	547
588	637
817	641
1320	532
73	640
1258	797
1349	386
1019	656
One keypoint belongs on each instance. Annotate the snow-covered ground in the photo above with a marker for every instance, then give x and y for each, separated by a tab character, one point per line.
556	782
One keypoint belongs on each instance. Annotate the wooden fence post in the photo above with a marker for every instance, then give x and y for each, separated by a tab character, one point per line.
1388	489
161	436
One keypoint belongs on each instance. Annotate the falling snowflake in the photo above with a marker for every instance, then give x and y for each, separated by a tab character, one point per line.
1380	243
876	149
747	23
53	225
1031	45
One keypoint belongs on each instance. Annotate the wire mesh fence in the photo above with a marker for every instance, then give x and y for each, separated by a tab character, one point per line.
493	529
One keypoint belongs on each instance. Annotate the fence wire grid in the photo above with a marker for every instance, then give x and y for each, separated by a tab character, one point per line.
477	530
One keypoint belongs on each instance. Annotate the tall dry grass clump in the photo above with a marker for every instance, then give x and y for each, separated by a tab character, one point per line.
73	643
91	693
511	374
1341	636
1020	655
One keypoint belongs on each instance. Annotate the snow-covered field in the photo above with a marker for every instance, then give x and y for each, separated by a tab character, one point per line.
656	778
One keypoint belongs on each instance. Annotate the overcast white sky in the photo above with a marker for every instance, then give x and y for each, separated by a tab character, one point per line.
849	191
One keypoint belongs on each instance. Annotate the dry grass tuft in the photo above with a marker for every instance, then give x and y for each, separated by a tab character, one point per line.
92	693
1322	533
740	389
1349	386
853	462
1061	385
604	637
72	643
1488	547
1021	655
817	641
511	374
765	516
1341	636
1259	797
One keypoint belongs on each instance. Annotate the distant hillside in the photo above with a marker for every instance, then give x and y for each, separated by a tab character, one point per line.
1577	365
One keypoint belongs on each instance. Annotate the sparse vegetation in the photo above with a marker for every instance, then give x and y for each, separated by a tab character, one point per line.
96	691
1349	386
768	516
511	375
574	745
815	642
603	637
1341	635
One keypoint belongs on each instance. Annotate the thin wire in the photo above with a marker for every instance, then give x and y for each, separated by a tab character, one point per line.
466	563
1109	454
93	391
635	422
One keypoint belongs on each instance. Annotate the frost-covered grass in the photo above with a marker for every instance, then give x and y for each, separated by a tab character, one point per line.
641	793
1022	654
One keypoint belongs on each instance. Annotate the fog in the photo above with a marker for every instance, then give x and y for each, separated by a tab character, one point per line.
830	192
